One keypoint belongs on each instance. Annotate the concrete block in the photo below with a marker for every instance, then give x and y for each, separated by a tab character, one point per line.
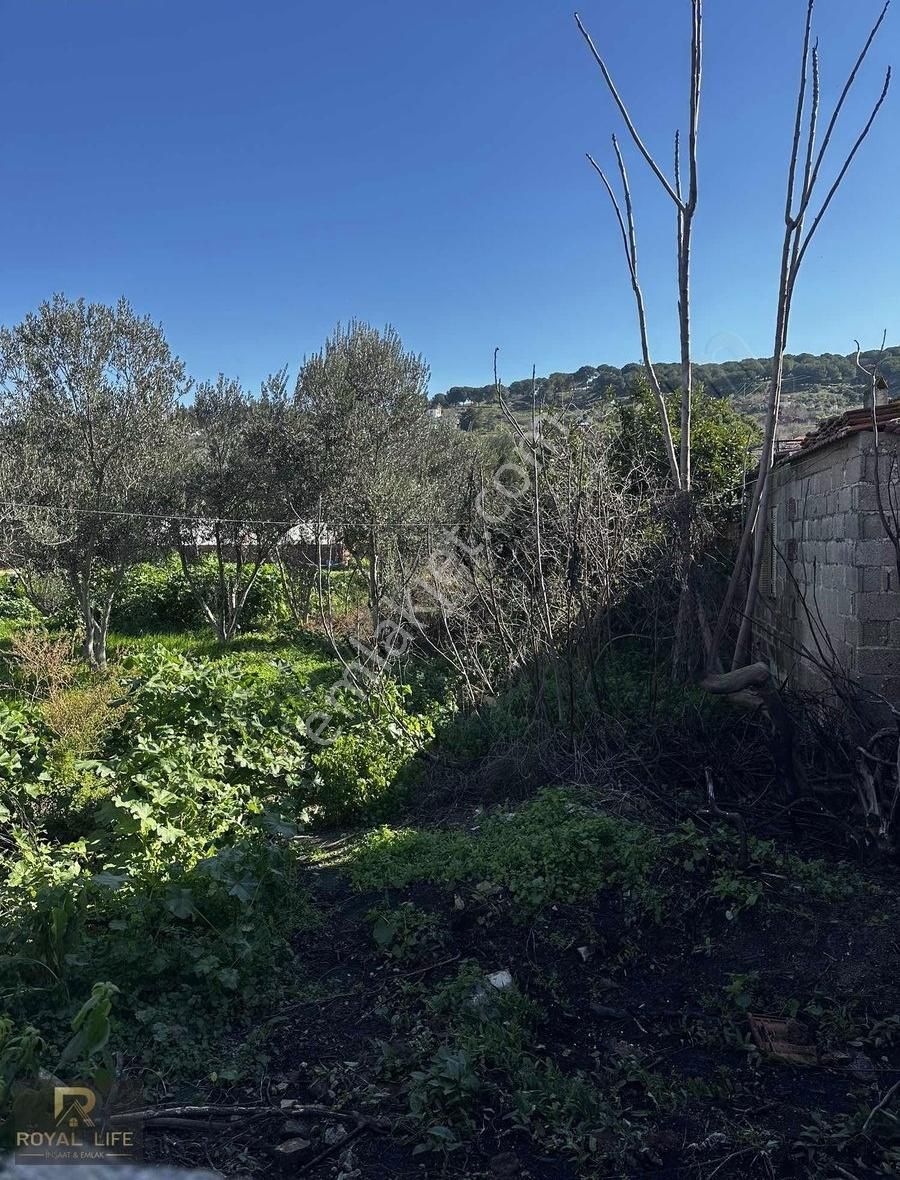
855	470
845	500
863	498
878	661
873	579
872	608
829	602
890	688
853	579
874	634
872	526
877	553
852	526
837	553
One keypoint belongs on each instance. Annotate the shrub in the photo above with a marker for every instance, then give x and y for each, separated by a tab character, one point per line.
369	764
22	756
157	597
14	605
75	705
162	865
44	664
186	947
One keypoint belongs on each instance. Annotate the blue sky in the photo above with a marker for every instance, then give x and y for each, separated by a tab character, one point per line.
250	173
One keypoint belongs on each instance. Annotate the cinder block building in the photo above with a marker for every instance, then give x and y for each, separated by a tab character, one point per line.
829	588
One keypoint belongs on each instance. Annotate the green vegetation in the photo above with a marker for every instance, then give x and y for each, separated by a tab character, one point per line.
491	1054
158	597
526	976
720	438
554	849
149	819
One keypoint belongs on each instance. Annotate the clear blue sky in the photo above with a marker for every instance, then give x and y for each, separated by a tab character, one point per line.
250	173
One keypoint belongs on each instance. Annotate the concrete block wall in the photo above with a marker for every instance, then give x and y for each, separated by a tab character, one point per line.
835	587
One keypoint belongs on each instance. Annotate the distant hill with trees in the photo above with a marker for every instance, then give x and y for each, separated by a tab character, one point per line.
815	387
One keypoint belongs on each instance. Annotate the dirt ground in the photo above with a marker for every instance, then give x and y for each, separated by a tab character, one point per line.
653	1014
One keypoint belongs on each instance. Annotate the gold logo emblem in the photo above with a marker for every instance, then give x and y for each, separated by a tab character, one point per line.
72	1106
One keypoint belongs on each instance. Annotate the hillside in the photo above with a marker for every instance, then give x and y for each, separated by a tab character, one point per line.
815	387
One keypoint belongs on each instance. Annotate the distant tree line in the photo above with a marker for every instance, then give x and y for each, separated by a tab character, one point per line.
814	385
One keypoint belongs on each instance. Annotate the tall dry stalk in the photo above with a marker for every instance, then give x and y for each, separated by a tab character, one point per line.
685	201
800	229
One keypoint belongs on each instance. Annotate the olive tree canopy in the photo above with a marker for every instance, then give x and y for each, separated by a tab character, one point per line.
383	466
88	401
237	493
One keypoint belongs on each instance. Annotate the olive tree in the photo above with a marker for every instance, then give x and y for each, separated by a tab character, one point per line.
378	458
88	406
235	494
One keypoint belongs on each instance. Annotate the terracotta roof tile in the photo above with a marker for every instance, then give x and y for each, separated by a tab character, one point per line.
855	421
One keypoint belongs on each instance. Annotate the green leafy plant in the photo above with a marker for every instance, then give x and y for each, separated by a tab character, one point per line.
405	931
554	849
158	597
446	1091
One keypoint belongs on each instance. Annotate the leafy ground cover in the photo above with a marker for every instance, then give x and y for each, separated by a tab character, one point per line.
150	823
556	984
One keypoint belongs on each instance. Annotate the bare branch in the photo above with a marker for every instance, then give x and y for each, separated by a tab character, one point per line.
618	212
629	238
839	106
813	125
623	110
798	121
696	86
678	165
832	192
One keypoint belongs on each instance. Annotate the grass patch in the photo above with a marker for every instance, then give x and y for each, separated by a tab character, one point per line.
554	849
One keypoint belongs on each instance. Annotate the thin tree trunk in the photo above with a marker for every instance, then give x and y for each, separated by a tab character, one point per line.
796	243
680	465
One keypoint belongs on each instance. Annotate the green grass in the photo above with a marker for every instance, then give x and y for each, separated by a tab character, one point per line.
306	654
556	848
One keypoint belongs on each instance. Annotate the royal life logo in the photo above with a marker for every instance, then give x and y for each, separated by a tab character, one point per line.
70	1125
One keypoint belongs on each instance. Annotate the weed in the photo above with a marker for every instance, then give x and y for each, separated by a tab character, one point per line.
711	858
492	1053
742	991
443	1093
554	849
867	1138
405	931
